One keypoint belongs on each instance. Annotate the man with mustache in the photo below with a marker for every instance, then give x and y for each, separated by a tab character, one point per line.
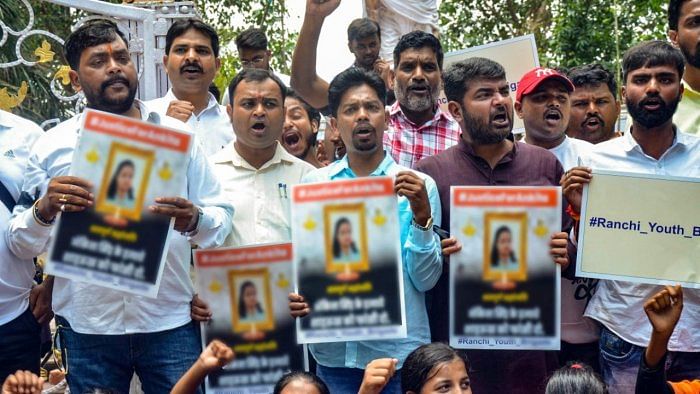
256	172
542	101
300	131
191	61
357	99
594	104
684	33
418	127
486	155
364	42
652	73
106	335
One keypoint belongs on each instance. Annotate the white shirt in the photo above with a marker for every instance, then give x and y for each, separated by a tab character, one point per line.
92	309
575	294
212	126
618	305
17	135
261	196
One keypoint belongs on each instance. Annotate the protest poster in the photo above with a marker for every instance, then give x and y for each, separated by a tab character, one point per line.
640	228
247	290
517	56
347	260
117	242
504	285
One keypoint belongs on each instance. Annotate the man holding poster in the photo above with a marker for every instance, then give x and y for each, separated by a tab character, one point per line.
96	324
357	101
652	73
479	99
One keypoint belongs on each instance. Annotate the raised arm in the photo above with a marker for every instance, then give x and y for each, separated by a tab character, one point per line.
304	78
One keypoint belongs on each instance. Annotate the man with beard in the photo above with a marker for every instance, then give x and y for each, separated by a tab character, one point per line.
594	104
652	73
357	100
255	171
486	155
364	41
684	33
418	127
542	101
191	61
107	335
300	129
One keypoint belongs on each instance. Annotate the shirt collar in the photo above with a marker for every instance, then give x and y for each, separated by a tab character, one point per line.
212	103
467	148
680	138
343	166
230	155
395	109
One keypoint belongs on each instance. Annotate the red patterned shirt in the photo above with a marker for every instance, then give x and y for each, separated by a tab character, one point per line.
408	143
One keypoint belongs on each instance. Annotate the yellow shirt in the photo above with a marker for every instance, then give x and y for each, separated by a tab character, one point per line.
261	197
687	116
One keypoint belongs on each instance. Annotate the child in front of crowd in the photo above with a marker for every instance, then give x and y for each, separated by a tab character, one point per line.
431	368
663	310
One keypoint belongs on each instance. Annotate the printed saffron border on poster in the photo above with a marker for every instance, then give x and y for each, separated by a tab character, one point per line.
118	243
347	260
640	228
264	343
505	289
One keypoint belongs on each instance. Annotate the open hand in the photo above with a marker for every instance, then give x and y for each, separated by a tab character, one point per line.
572	185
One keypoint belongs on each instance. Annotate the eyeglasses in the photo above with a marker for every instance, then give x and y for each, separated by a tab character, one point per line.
255	61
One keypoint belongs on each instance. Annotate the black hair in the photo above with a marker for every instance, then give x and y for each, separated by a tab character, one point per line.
652	54
494	246
300	375
459	75
592	75
336	244
312	112
674	13
251	38
213	89
91	33
181	27
362	28
255	75
112	188
575	378
242	310
350	78
416	40
421	362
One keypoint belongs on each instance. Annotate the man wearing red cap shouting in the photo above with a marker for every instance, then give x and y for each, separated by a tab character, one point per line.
542	102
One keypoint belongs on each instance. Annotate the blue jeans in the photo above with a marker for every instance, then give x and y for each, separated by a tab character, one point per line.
348	380
109	361
619	363
20	340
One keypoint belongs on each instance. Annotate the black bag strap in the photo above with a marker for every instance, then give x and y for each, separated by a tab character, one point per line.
7	198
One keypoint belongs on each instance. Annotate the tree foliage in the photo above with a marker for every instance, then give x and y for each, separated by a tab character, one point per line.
39	104
568	32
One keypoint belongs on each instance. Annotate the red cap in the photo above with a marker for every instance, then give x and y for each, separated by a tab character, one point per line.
533	78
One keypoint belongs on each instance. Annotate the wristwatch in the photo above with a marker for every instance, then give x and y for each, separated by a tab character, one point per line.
428	225
194	232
